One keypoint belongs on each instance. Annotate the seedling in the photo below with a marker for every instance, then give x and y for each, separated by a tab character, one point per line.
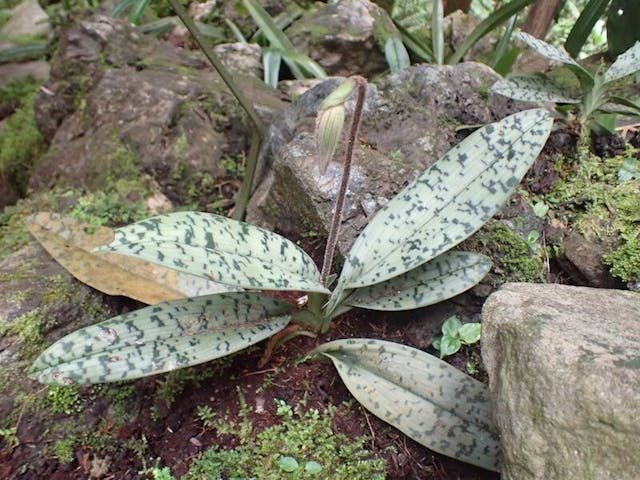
454	335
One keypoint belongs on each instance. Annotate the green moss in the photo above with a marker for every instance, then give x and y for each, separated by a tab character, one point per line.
64	399
64	450
304	434
625	261
513	258
20	145
18	90
604	209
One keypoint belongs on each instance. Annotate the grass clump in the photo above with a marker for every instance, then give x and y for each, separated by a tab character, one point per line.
303	446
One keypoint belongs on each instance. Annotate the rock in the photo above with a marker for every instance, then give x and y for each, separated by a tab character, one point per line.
564	375
583	260
28	18
343	37
115	90
410	120
242	58
9	72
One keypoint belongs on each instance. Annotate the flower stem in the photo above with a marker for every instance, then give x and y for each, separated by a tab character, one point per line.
361	88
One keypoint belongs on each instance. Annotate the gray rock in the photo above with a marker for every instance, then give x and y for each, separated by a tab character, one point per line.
564	374
28	18
583	260
410	120
9	72
242	58
344	37
114	89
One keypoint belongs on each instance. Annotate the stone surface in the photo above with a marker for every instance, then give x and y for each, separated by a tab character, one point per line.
410	120
114	89
28	18
38	70
583	260
564	371
344	37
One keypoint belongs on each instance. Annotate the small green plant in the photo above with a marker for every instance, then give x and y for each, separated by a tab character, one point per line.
10	437
389	267
64	450
162	474
454	335
290	465
64	399
595	93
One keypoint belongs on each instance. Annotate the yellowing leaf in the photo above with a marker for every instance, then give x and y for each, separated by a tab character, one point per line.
69	242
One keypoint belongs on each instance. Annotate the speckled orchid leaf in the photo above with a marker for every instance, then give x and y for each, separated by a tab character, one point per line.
221	249
546	50
626	64
532	88
447	203
443	277
162	337
70	242
427	399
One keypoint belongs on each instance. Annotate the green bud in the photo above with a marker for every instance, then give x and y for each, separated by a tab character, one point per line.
329	125
339	95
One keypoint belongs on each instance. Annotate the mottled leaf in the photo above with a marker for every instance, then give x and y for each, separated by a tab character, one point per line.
221	249
451	326
396	55
532	88
448	345
448	202
546	50
162	337
443	277
470	332
626	64
427	399
70	242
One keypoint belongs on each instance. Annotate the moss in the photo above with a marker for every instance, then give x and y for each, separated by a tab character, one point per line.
513	258
304	434
604	209
20	145
625	261
18	90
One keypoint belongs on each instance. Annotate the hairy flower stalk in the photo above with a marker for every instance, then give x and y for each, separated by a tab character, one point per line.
361	87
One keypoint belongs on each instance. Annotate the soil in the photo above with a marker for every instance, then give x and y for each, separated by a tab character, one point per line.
176	436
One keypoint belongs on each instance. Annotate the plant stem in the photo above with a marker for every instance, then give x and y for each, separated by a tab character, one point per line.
252	159
361	88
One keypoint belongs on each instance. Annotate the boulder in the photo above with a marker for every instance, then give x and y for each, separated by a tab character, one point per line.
564	374
345	38
113	89
410	120
28	18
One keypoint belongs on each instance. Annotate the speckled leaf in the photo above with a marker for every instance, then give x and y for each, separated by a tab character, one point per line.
546	50
626	64
532	88
396	55
427	399
221	249
448	202
161	337
439	279
70	242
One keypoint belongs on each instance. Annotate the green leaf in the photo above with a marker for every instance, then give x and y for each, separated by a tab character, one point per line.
288	464
532	88
312	467
581	30
271	60
626	64
424	397
221	249
436	342
630	170
502	51
546	50
470	332
396	55
448	202
437	31
278	40
161	338
449	345
136	12
22	53
501	15
451	326
443	277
